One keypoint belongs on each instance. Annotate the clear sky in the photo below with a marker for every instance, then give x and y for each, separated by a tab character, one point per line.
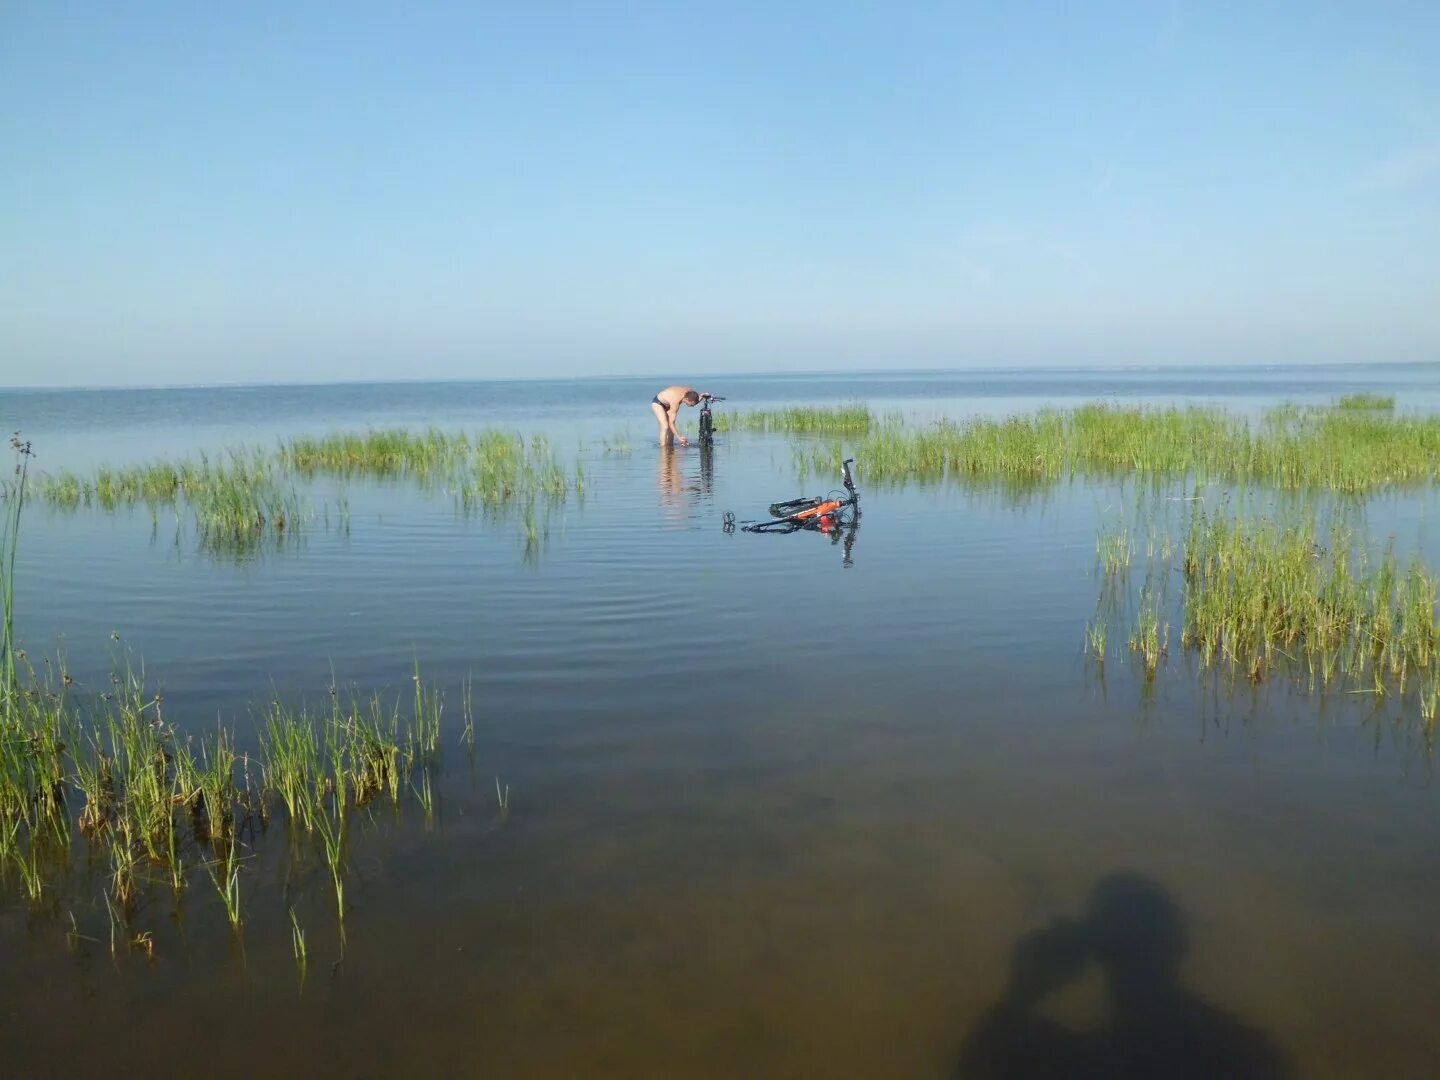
298	191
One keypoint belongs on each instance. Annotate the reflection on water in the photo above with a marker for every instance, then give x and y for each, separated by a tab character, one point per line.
671	483
1134	932
841	536
773	870
683	474
707	468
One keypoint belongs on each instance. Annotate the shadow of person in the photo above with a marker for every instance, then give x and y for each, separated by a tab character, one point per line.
1156	1027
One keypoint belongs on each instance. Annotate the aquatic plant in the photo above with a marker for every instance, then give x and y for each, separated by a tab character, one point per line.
1147	636
853	419
467	713
1287	590
224	871
328	814
13	492
1348	450
134	775
1365	401
1096	636
1114	549
238	501
424	740
297	945
1257	590
245	499
485	470
388	452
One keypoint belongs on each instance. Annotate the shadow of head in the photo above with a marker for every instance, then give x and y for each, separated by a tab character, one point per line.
1136	934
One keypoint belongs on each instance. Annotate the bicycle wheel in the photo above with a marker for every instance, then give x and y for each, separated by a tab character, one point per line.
707	428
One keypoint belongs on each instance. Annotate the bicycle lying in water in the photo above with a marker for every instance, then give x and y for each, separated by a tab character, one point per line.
836	515
833	511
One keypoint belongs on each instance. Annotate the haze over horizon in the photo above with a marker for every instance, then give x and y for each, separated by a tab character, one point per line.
366	192
704	377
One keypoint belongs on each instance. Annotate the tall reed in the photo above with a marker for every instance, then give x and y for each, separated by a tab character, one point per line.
14	491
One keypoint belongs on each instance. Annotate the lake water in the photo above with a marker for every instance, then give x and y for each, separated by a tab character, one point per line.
779	806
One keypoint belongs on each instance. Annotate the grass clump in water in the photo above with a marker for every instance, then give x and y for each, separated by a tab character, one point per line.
382	453
488	469
238	501
1348	450
135	781
247	498
801	420
14	491
1287	592
1261	591
1366	401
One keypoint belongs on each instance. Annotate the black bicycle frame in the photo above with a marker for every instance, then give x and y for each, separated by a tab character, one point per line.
707	422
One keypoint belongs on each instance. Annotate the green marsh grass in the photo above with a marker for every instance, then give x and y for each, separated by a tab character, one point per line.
290	760
246	499
14	491
135	781
1346	450
1366	401
1097	634
853	419
1261	591
224	871
486	470
297	945
1287	590
424	741
1147	637
239	482
328	815
383	453
425	795
118	926
1114	549
467	714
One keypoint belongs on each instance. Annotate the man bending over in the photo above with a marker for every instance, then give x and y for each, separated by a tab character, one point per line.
666	404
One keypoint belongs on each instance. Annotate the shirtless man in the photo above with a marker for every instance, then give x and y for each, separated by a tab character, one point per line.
666	404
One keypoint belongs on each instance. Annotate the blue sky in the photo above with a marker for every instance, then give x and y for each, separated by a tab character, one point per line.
199	193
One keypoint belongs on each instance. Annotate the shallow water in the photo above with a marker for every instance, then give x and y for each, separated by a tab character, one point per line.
770	813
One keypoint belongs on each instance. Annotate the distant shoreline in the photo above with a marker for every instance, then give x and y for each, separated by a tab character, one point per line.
818	373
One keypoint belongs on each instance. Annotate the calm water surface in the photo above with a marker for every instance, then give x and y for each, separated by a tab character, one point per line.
777	807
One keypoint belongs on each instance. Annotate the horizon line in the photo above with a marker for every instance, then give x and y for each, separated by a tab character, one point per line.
805	372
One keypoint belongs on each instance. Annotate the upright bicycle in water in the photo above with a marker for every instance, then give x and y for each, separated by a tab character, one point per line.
707	421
